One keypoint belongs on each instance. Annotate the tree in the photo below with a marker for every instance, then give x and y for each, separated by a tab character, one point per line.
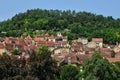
99	67
43	50
113	54
15	52
69	72
43	66
9	67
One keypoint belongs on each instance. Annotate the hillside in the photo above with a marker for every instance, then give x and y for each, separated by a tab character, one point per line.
70	23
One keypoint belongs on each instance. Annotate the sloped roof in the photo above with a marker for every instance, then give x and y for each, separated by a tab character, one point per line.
97	39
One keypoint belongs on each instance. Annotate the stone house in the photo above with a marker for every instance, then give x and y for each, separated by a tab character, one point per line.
98	41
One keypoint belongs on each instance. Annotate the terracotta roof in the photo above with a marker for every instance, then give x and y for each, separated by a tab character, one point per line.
77	48
50	44
46	34
91	50
105	52
20	48
11	40
73	58
20	41
2	39
51	37
97	39
28	37
82	57
2	46
9	47
113	59
37	39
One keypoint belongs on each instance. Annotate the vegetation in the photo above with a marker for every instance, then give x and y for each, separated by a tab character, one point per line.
38	67
69	72
70	23
113	54
41	66
99	68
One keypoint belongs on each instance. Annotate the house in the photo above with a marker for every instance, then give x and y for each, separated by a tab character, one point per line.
51	45
2	48
117	48
77	49
29	40
98	41
61	44
91	45
11	40
61	50
83	40
39	38
105	52
81	58
71	59
9	48
51	38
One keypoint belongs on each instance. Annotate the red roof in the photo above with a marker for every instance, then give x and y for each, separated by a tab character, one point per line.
2	45
37	39
105	52
97	39
50	44
73	58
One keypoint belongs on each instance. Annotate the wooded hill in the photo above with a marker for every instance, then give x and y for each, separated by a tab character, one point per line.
70	23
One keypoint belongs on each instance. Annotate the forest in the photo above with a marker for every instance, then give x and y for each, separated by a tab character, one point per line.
70	23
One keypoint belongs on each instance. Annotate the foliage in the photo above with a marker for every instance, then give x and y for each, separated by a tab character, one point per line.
69	72
43	50
70	23
42	65
113	54
15	52
39	67
99	67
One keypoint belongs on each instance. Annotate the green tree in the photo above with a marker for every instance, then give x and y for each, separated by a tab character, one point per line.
43	66
15	52
69	72
99	67
113	54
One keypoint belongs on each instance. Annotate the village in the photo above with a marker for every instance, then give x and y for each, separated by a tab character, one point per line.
76	53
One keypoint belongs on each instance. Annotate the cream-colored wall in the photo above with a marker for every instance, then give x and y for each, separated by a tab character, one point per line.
1	51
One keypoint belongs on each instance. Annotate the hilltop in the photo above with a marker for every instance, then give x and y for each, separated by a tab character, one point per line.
69	23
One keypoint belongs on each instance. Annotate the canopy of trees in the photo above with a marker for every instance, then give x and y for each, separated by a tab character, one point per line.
99	68
70	23
40	66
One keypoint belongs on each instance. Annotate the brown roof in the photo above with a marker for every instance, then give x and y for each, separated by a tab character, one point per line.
73	58
2	39
20	48
91	50
50	44
113	59
51	37
21	41
37	39
2	45
97	39
77	48
9	47
28	37
82	57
